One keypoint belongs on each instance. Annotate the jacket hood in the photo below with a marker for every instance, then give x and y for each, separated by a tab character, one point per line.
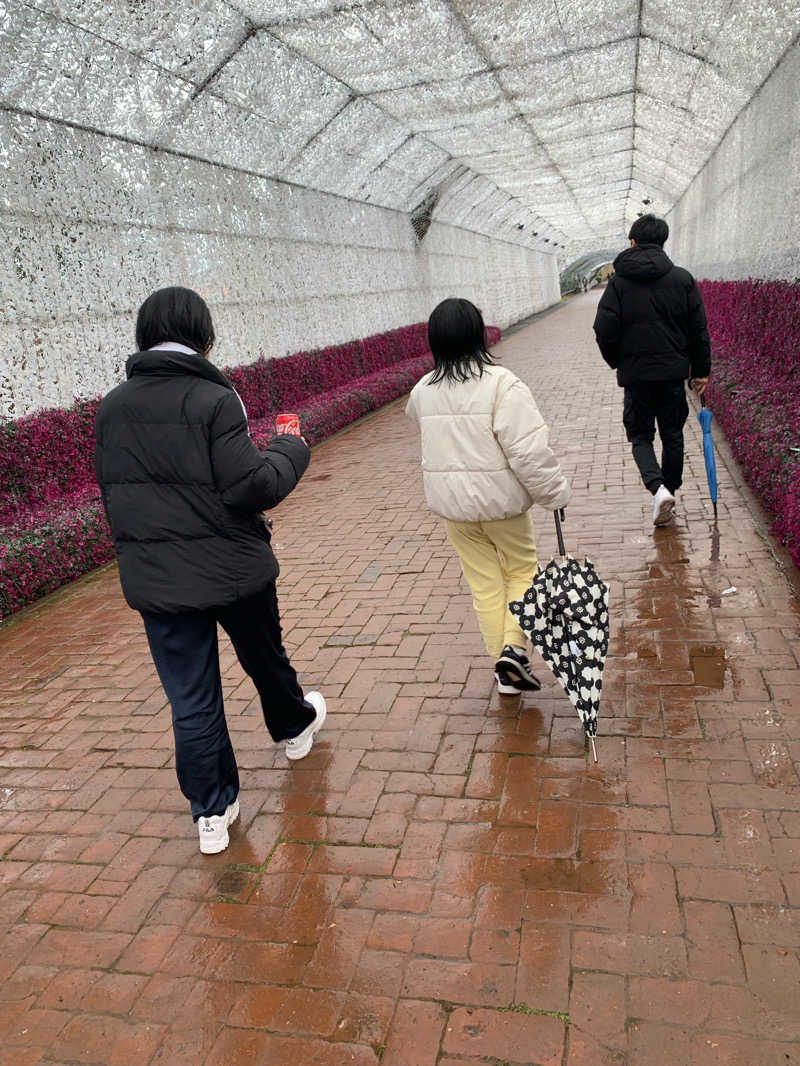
643	262
162	363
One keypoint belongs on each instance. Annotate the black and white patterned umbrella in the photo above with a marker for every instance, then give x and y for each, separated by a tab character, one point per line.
565	611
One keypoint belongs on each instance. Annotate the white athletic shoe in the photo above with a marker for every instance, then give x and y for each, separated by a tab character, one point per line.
299	747
513	672
506	685
213	830
663	507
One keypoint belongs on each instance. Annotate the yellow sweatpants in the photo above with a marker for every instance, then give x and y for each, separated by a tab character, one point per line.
499	561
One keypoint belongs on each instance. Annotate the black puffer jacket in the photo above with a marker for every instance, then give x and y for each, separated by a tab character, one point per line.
651	323
182	485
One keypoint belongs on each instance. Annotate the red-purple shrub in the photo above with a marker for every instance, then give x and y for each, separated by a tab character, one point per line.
377	352
255	383
45	455
322	416
338	365
50	547
386	349
52	526
296	378
754	390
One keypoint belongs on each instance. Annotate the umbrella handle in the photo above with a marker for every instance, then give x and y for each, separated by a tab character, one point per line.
560	516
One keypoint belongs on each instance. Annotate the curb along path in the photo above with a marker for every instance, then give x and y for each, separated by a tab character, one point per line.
445	879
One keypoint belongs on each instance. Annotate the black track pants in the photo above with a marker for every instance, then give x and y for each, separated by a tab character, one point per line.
662	404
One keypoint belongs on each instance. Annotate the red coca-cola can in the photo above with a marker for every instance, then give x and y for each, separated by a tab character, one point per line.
288	423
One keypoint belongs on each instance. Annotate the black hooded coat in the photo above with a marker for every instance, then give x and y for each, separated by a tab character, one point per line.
183	485
651	323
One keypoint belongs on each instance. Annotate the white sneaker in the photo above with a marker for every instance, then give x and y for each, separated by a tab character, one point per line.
298	747
513	669
663	507
214	830
505	685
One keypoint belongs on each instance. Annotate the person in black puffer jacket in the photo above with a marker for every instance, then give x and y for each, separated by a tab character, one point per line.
184	487
651	328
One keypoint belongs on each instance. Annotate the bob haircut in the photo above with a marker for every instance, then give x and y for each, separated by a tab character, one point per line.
175	314
649	229
457	338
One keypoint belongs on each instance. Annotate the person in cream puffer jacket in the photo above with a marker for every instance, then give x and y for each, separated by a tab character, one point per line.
486	460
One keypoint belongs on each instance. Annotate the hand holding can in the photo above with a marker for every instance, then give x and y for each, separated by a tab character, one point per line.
288	423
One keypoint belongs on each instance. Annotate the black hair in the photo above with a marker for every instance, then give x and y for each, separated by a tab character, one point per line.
175	314
649	229
457	338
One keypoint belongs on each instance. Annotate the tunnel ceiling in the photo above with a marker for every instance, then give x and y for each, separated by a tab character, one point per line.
531	119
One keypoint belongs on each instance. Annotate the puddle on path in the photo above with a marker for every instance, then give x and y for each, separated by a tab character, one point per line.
708	665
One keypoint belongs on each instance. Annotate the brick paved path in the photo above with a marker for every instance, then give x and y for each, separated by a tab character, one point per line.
445	880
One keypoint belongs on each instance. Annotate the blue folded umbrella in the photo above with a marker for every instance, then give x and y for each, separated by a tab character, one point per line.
704	417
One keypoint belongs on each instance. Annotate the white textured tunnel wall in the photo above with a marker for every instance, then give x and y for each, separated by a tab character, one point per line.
91	225
740	217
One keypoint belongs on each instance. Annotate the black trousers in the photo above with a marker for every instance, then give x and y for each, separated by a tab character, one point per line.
186	656
663	404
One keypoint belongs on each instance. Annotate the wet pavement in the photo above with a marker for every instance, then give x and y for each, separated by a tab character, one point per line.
446	879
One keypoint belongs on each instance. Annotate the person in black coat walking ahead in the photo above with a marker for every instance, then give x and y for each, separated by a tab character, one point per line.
184	487
651	328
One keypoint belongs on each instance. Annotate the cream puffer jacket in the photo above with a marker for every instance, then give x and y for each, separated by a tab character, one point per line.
485	452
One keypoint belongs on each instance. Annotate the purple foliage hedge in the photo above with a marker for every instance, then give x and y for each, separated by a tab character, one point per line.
52	525
754	390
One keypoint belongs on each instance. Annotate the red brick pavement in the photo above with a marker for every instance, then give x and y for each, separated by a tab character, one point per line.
445	880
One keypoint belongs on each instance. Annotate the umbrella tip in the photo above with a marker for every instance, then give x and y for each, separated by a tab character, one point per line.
594	749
